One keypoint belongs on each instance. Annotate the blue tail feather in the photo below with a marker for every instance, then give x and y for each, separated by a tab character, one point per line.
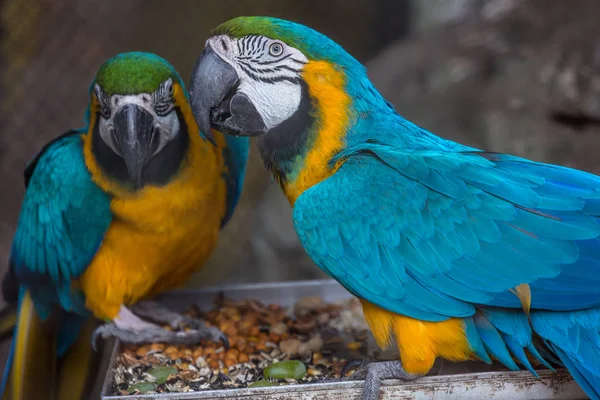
571	339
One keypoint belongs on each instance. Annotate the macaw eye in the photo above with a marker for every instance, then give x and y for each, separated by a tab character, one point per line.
276	49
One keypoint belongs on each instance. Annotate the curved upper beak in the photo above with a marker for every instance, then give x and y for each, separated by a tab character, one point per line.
136	138
216	102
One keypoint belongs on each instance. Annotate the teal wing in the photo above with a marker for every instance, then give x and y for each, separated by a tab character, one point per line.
432	234
63	219
236	159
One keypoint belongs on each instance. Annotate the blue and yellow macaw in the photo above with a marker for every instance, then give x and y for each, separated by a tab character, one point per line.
115	213
457	252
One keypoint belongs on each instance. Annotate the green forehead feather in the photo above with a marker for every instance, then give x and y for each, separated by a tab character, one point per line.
244	26
313	44
293	34
135	72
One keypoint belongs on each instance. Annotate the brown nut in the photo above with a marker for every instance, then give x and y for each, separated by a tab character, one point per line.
323	319
315	343
317	357
307	304
253	330
198	352
354	346
274	338
243	358
209	350
231	353
304	349
230	361
187	352
142	351
214	364
260	346
278	328
289	346
157	347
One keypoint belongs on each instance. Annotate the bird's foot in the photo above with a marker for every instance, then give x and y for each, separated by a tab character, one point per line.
156	312
373	372
129	328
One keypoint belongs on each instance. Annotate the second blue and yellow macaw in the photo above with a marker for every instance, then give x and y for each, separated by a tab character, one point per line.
114	214
457	252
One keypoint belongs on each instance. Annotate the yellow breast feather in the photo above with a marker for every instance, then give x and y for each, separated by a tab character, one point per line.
326	86
159	235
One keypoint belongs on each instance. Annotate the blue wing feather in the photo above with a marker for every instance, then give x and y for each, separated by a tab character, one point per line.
454	232
63	219
236	159
456	229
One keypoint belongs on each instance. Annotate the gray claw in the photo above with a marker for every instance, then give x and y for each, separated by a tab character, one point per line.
159	335
358	363
375	372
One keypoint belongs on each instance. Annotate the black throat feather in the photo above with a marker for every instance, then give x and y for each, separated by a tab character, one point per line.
158	171
281	147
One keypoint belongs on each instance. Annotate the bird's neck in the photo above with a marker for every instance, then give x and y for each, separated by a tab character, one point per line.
332	113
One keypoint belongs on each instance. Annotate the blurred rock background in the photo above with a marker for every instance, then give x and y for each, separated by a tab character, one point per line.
521	77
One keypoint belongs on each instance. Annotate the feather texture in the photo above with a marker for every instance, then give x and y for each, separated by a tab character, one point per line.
63	219
235	155
449	224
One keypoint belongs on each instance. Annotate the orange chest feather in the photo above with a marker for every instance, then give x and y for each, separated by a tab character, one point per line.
326	87
159	235
419	342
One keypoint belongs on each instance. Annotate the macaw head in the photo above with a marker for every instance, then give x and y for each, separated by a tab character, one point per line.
262	76
139	133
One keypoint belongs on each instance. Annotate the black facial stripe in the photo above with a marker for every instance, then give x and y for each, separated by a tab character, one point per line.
253	42
285	141
273	61
280	67
263	70
251	58
267	70
249	67
238	46
250	73
272	80
158	171
298	61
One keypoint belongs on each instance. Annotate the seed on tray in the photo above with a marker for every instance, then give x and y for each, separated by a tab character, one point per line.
290	346
354	346
289	369
278	328
313	337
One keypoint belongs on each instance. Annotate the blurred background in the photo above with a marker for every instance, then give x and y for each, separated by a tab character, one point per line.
521	77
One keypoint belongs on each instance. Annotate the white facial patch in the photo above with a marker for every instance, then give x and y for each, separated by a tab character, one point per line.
166	123
269	73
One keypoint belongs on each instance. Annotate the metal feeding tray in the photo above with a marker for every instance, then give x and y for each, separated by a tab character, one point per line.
450	382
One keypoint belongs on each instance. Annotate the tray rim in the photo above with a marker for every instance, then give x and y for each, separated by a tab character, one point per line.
546	377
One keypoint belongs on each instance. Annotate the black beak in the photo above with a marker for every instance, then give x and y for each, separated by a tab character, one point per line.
216	102
136	139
